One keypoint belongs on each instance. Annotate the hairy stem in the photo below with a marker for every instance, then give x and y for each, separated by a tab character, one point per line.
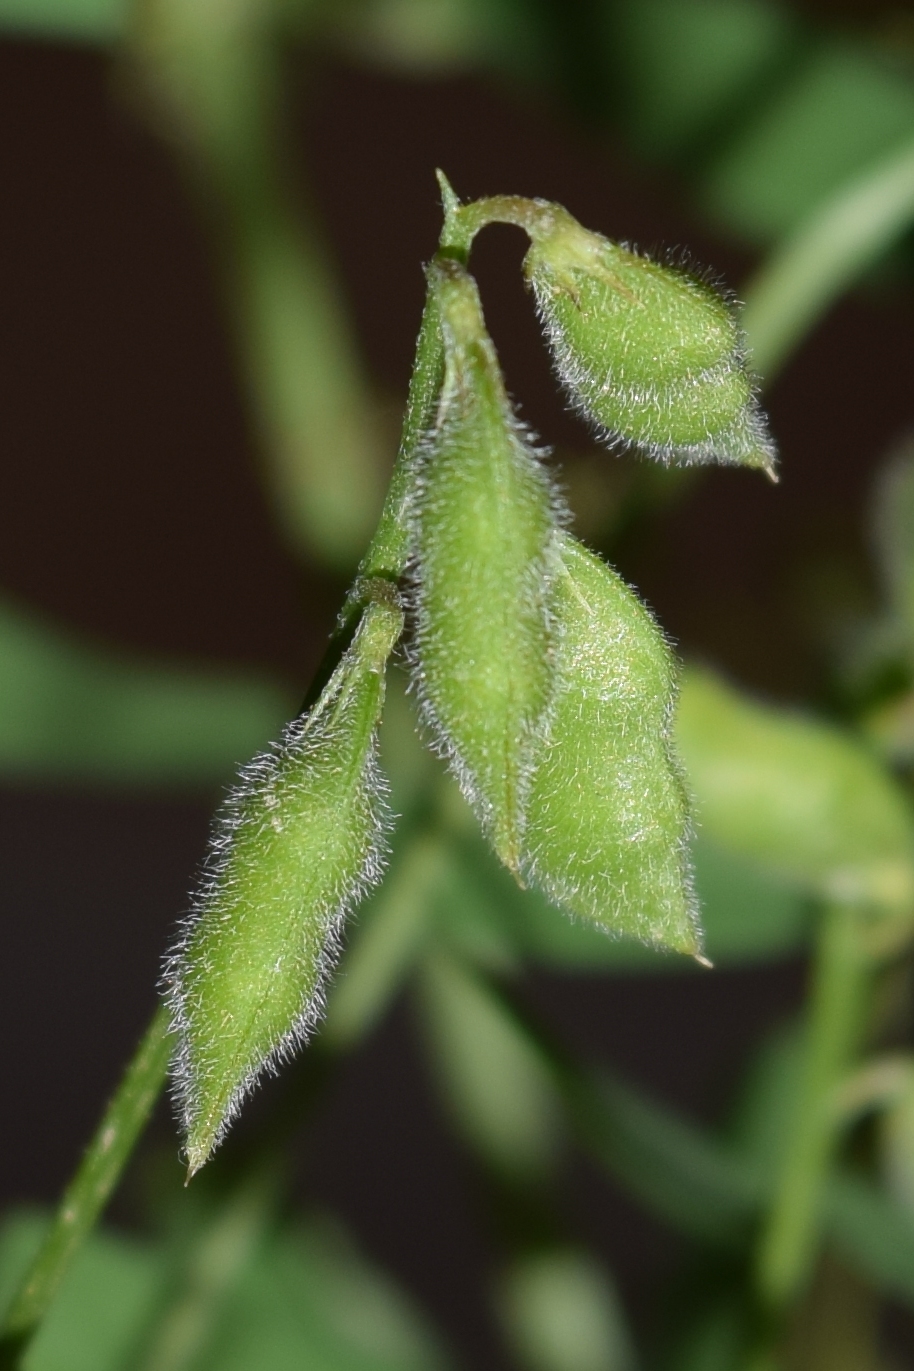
389	550
90	1189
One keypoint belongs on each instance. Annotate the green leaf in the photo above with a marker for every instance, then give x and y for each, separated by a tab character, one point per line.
843	110
71	712
747	916
802	799
874	1234
607	815
562	1313
484	540
651	353
303	1298
85	21
680	1172
104	1303
297	843
842	236
495	1083
311	1301
685	70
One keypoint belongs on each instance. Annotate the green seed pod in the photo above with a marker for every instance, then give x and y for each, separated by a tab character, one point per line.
652	354
607	812
484	533
299	840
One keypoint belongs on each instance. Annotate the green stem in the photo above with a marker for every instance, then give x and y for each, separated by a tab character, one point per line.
463	222
214	76
389	550
90	1189
790	1238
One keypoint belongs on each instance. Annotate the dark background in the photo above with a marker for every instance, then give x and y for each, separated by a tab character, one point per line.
133	513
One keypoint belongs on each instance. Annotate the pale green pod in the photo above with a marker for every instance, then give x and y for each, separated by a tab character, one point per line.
652	354
607	812
797	796
298	841
484	555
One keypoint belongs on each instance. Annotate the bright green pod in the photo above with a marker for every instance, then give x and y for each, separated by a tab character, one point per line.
484	532
651	353
299	840
607	812
797	796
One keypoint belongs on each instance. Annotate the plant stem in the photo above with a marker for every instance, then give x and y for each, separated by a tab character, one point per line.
214	77
90	1189
388	552
789	1239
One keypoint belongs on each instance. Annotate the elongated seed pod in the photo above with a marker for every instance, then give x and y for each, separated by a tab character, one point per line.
484	539
607	813
652	354
298	841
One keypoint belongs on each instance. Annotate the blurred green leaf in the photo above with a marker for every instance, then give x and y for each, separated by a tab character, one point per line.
766	1097
682	69
494	1081
71	712
562	1313
872	1233
682	1174
306	1299
842	111
840	239
715	1338
107	1296
796	796
748	913
310	1301
87	21
388	936
748	916
713	1191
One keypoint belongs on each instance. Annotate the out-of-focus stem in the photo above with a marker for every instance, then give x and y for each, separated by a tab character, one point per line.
90	1189
212	70
790	1237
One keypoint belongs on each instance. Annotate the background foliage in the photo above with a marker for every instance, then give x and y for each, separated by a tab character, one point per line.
787	138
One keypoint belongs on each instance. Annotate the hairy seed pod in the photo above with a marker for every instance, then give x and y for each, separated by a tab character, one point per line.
484	538
652	354
607	812
299	840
